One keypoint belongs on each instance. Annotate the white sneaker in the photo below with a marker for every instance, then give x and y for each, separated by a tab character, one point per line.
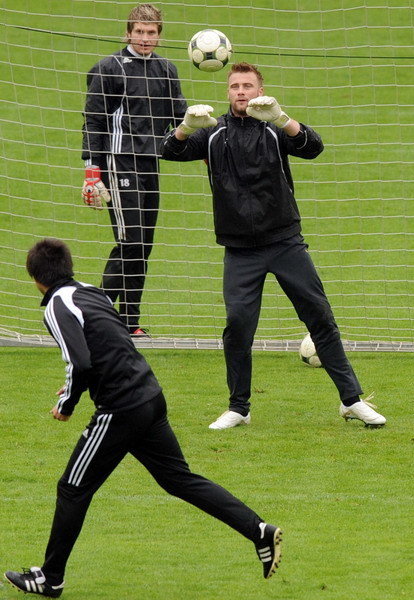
230	419
364	411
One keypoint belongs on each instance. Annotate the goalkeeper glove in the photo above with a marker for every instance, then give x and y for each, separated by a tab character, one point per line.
196	117
266	108
93	190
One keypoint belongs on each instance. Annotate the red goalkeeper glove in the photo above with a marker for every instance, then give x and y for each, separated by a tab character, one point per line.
94	191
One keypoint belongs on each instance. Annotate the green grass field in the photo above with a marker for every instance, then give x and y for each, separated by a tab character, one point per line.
343	494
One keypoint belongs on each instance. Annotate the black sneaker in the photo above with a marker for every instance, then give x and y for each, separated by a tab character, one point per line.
32	581
268	548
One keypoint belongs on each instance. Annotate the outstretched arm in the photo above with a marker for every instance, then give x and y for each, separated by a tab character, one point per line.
190	140
267	108
196	117
297	139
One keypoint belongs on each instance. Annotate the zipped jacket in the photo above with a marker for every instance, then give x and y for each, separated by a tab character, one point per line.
250	177
98	350
131	102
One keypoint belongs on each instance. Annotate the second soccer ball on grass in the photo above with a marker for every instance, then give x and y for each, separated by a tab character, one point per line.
209	50
307	352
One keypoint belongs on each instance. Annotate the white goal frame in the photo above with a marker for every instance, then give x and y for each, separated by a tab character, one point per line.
346	70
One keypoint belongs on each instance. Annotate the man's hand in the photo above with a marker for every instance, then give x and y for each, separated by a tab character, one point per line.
266	108
94	191
57	415
197	117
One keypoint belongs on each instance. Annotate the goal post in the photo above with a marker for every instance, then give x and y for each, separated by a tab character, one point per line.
345	70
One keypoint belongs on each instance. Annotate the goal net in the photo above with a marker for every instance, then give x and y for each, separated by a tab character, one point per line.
346	68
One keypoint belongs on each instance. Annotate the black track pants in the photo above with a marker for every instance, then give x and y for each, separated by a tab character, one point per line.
245	271
134	188
145	433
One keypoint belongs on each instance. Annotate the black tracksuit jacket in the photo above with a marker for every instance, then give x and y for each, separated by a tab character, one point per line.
131	102
248	167
98	350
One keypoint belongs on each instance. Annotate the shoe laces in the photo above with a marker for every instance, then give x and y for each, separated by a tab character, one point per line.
368	399
36	573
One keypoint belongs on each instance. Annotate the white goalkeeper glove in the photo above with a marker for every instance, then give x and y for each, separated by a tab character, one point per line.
196	117
266	108
94	190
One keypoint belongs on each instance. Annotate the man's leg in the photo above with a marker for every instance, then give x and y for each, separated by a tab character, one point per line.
296	274
97	453
243	280
113	278
140	236
301	283
159	451
149	179
124	274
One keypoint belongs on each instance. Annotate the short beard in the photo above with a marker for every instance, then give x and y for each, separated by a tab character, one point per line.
238	113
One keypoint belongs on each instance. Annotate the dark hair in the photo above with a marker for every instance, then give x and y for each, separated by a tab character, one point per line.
244	67
49	261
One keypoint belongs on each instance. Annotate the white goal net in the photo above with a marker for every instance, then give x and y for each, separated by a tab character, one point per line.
344	67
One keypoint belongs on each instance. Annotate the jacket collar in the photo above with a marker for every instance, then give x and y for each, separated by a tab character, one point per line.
53	288
130	52
241	121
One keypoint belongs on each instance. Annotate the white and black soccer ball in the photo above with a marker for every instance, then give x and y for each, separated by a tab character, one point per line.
307	352
209	50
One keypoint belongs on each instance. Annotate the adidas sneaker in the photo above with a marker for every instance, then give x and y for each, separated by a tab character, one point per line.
268	548
32	581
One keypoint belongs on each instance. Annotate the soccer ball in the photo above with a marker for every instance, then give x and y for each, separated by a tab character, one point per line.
307	352
209	50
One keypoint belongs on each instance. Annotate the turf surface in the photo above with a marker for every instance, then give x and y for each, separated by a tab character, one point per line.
343	494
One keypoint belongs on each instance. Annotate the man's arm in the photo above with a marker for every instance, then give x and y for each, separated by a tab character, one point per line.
96	127
95	124
62	320
292	128
101	102
179	104
298	140
57	415
306	144
189	140
180	135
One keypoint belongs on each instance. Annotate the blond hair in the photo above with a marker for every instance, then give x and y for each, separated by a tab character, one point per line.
144	13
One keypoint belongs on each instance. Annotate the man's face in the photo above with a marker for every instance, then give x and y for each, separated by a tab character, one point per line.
144	37
242	88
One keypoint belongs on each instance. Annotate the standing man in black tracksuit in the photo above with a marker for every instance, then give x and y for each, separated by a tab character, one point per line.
130	417
257	219
133	97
